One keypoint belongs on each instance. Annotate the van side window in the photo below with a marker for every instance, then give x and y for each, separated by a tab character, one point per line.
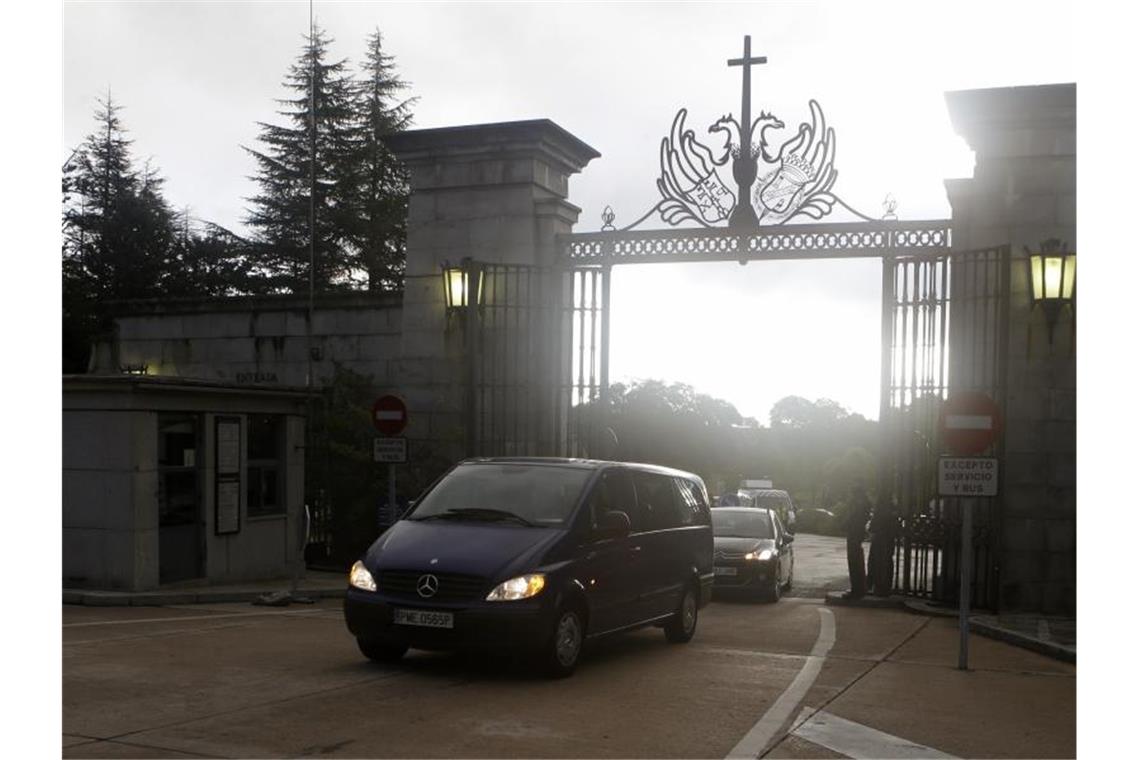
613	493
658	500
691	501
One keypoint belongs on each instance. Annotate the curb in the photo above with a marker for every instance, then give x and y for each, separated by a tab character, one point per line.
1047	648
164	598
837	599
918	606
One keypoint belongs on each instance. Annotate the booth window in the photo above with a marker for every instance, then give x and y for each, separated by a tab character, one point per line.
265	465
177	470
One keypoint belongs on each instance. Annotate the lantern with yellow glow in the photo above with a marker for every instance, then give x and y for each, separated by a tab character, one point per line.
1052	280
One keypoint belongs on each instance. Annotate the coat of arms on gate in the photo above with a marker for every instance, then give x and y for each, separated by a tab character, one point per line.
747	172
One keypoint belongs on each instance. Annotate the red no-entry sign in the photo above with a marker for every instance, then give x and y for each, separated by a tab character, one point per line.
969	422
390	415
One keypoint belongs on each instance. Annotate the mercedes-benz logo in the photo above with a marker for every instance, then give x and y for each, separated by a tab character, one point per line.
427	585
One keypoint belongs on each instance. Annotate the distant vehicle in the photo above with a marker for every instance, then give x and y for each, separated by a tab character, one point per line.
731	499
752	551
774	499
821	521
535	556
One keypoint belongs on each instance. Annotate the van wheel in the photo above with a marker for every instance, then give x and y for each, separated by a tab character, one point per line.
680	628
381	652
560	656
791	570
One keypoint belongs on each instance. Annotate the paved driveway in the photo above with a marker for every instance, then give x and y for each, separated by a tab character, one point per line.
795	679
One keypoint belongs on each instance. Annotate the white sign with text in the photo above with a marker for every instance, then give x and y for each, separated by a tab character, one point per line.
390	450
967	476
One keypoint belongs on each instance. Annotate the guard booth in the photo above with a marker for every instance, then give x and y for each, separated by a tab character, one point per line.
169	480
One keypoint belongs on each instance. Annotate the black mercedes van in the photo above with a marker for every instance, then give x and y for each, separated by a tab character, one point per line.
536	556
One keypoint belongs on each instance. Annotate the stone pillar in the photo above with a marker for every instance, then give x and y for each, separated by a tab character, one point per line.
1023	192
495	193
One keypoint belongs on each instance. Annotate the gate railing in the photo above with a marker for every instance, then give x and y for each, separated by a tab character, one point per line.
788	241
537	353
945	330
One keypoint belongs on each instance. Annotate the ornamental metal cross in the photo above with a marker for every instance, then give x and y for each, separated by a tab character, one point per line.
744	166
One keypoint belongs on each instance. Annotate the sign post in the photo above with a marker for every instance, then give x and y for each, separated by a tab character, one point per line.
969	423
390	417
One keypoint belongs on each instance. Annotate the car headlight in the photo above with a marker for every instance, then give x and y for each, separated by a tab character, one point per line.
359	577
760	556
522	587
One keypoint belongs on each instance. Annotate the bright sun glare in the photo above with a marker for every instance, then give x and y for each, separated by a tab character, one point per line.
772	329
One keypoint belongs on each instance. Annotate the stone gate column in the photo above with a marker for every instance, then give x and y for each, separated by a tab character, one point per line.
496	193
1023	192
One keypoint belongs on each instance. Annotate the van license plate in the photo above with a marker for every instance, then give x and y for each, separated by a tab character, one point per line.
724	570
424	618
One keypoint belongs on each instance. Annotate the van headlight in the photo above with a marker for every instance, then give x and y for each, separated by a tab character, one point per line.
522	587
760	556
359	577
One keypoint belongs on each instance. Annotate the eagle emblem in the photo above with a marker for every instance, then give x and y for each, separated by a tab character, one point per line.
793	180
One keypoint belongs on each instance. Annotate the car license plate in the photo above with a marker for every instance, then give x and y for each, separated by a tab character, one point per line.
424	618
724	570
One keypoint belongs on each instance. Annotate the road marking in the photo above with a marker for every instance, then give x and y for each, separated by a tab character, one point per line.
858	741
180	619
761	734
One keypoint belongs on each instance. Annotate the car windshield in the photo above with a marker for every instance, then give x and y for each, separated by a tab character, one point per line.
770	501
540	495
741	524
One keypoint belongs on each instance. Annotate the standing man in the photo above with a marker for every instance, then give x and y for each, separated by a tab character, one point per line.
858	510
880	570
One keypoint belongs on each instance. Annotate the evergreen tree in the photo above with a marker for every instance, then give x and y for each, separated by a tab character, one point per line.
117	232
378	228
206	259
318	124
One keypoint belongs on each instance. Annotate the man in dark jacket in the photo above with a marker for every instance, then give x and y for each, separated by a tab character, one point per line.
858	510
880	568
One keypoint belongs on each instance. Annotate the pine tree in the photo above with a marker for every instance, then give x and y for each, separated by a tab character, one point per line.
117	232
206	259
318	123
378	227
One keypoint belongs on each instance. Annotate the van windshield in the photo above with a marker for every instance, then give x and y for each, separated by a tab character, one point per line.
541	495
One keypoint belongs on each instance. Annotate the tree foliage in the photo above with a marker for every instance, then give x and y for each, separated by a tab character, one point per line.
378	183
814	449
123	241
326	167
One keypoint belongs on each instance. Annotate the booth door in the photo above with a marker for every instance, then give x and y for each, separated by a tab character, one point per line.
180	519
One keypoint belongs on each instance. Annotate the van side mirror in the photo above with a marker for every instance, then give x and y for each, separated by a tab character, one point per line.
789	537
613	524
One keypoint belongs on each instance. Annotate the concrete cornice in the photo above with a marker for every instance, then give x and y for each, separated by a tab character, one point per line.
977	115
355	299
145	383
539	138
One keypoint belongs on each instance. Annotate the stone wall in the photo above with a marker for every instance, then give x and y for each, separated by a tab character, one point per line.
1024	192
257	340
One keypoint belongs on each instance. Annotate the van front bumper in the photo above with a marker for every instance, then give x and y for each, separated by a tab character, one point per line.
524	624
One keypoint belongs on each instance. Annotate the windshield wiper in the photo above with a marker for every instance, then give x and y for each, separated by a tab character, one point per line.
481	513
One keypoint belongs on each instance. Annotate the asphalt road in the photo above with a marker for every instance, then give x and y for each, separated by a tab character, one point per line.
792	679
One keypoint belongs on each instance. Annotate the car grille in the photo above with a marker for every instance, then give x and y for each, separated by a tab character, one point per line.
727	555
453	587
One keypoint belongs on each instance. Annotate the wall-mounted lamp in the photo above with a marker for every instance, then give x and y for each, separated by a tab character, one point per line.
459	283
1052	279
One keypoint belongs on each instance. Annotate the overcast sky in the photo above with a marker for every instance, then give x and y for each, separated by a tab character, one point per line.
194	78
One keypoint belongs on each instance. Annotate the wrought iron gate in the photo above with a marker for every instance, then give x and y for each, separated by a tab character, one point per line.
537	351
945	326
